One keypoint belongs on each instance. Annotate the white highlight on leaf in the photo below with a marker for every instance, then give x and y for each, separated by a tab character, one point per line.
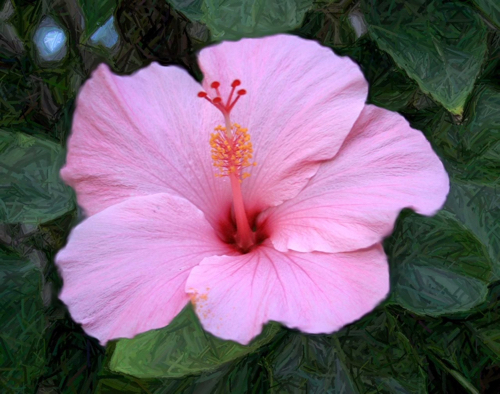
54	40
50	40
106	35
358	23
10	41
7	11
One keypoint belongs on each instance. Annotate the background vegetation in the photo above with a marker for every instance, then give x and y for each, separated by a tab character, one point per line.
436	62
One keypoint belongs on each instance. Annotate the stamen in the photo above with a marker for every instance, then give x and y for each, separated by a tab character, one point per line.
231	146
231	153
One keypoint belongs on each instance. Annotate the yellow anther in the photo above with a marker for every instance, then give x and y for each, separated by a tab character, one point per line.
231	153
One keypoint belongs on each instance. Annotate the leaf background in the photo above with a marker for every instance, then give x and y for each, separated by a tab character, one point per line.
436	62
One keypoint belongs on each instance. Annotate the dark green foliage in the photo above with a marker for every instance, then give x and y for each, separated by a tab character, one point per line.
155	30
490	9
22	323
182	348
441	45
470	147
370	356
437	62
234	19
190	8
32	191
437	267
330	24
478	208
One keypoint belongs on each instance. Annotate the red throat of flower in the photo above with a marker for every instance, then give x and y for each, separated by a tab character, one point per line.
231	153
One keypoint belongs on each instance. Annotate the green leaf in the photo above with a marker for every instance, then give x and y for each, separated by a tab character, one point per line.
452	353
182	348
470	150
370	356
381	356
331	25
152	30
96	12
247	373
437	266
440	45
471	154
479	139
486	326
232	378
390	87
234	19
490	335
307	364
478	208
117	385
190	8
16	95
31	190
490	9
22	324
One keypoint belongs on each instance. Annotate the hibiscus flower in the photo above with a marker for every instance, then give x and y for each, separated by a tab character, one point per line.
262	194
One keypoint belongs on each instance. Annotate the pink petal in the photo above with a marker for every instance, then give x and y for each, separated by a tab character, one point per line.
301	102
314	292
125	268
143	134
354	199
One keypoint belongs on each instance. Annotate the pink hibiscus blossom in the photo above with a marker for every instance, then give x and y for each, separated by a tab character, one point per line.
278	216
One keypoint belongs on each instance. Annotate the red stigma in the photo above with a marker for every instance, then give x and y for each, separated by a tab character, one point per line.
226	107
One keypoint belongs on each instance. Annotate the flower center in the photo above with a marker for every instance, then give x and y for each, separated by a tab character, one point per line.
231	153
